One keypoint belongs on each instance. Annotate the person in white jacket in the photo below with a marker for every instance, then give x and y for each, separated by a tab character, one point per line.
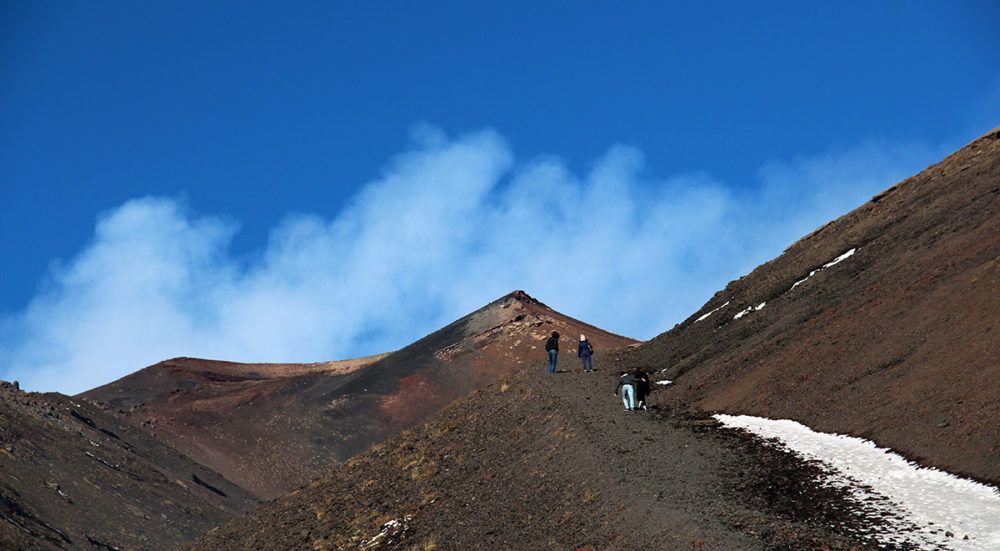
584	352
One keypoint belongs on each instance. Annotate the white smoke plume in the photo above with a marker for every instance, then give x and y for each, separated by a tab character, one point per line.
450	225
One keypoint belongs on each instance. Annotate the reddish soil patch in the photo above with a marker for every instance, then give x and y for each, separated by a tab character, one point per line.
415	400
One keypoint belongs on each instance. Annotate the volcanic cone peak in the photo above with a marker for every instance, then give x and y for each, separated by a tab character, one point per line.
519	309
516	304
520	296
272	427
511	330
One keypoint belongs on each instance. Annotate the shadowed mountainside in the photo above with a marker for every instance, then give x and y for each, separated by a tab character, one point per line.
74	476
273	427
898	342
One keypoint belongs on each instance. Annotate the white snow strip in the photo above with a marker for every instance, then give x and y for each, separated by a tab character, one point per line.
663	382
748	310
803	280
743	313
922	505
840	258
837	260
702	318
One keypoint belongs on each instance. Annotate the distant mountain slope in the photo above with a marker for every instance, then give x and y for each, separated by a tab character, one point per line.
258	424
271	428
885	323
182	374
74	476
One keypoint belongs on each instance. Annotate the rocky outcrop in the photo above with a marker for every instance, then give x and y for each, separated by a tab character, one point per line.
74	476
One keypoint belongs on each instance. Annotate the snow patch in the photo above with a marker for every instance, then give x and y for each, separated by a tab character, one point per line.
391	533
840	258
833	262
925	507
748	310
704	317
803	280
663	382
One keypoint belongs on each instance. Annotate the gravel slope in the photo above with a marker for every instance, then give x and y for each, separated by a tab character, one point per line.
553	462
74	476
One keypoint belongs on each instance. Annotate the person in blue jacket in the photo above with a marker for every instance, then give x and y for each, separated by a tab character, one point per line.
584	352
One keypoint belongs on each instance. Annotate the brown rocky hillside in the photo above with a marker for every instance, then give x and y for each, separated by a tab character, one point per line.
273	427
899	342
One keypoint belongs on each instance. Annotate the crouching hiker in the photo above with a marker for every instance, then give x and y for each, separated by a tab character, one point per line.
584	352
626	383
642	387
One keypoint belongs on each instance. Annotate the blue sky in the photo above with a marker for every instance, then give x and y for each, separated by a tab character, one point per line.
638	156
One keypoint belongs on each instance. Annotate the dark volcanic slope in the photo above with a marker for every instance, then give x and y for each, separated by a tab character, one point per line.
552	462
74	476
899	343
273	428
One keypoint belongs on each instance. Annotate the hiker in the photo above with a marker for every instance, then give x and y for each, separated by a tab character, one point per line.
552	347
642	387
584	352
627	385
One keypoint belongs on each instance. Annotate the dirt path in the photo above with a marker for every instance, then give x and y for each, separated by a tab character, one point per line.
693	483
553	462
